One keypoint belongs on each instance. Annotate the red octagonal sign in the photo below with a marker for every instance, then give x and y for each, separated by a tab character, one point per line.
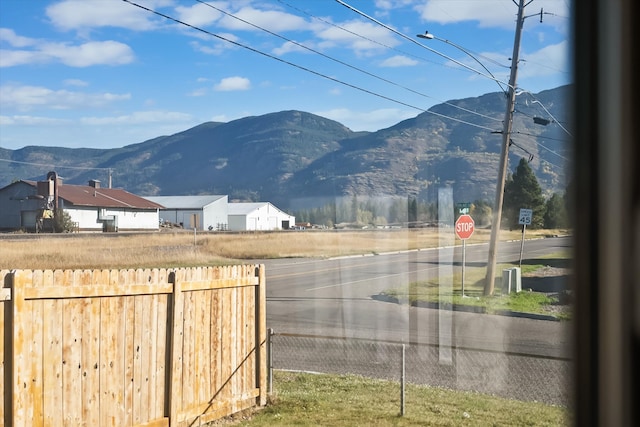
464	227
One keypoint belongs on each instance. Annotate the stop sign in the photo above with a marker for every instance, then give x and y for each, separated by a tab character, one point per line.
464	227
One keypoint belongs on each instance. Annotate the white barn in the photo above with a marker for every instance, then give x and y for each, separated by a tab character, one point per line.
90	207
206	212
261	216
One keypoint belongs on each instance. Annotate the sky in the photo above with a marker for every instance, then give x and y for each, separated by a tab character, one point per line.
110	73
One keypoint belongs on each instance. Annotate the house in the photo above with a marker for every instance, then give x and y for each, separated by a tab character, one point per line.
258	216
30	205
206	212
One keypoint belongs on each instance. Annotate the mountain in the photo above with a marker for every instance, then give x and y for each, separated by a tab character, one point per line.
297	159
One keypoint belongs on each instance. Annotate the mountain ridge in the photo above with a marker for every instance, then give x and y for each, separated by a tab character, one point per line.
291	155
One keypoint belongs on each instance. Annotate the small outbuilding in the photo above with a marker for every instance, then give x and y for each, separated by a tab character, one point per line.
260	216
31	205
205	212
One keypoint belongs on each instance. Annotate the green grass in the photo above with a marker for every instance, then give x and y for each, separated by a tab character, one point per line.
430	292
347	400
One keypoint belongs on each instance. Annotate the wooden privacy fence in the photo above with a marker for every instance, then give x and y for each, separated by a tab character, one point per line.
146	347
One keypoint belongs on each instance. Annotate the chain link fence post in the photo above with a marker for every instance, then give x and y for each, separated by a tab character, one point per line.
402	382
270	334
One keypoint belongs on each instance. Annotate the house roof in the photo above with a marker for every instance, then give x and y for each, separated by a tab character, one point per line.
185	202
85	195
247	208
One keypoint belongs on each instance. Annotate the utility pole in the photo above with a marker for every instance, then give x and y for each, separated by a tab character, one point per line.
504	154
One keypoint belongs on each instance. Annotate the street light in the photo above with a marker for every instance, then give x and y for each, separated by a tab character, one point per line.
429	36
535	101
506	139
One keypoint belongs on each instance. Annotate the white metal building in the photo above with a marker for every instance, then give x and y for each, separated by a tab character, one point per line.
258	216
205	212
90	207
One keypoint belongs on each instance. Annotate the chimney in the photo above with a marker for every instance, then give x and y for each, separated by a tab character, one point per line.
94	183
53	177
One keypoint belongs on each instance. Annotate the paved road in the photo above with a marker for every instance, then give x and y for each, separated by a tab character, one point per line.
335	299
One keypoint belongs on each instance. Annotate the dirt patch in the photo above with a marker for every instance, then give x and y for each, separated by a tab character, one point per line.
547	279
553	281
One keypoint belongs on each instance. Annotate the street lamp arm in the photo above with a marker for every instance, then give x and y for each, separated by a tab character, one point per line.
535	101
393	30
427	35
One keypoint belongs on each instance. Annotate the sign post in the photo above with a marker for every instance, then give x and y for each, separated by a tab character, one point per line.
464	229
524	219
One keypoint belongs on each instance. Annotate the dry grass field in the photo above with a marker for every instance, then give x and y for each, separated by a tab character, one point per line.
184	248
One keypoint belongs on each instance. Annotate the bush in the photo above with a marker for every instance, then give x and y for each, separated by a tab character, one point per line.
63	223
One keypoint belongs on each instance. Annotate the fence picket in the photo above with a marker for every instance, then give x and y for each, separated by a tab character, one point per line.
128	347
5	295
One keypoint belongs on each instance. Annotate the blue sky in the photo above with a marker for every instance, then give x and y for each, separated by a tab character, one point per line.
107	73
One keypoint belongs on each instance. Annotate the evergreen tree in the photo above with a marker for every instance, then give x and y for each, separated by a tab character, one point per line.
522	190
481	213
413	209
556	212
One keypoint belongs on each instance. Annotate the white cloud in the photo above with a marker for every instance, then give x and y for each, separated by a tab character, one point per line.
289	47
367	120
87	14
272	20
9	36
398	61
488	13
91	53
199	14
233	84
211	46
198	92
14	58
359	37
221	118
31	121
138	118
75	82
25	98
82	55
538	63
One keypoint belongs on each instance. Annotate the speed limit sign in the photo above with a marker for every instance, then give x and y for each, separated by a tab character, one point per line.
525	216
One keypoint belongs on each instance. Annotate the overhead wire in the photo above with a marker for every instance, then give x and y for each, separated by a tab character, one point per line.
303	68
537	101
323	75
469	68
353	33
344	63
404	36
542	145
391	48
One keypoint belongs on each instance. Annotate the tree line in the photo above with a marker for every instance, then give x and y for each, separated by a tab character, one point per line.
522	190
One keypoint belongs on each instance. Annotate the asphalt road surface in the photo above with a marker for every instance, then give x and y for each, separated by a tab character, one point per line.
327	317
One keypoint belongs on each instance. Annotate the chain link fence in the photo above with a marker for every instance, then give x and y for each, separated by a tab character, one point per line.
510	375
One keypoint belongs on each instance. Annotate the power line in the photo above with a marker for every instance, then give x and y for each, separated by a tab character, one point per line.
349	65
303	68
468	52
346	30
404	36
540	136
544	146
344	63
549	113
